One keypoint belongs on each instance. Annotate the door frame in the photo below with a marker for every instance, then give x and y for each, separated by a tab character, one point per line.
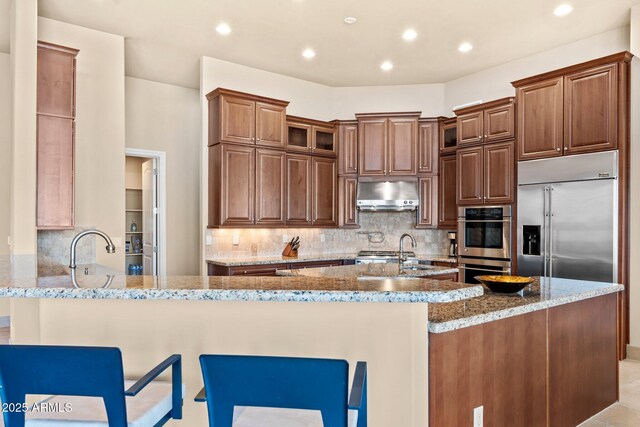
161	163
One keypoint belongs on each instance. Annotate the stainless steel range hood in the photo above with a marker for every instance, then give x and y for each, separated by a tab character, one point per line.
387	196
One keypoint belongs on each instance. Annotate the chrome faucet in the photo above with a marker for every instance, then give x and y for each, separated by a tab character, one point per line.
110	246
401	255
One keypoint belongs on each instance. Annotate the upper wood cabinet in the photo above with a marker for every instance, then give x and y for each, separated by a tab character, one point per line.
299	189
387	144
428	146
324	192
270	187
244	118
347	147
448	135
347	209
486	174
488	122
311	136
447	209
55	143
577	109
428	208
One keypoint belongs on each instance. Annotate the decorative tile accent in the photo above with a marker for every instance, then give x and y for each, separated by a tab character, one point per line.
53	247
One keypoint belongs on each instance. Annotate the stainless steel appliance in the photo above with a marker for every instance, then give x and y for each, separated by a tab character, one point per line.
367	257
472	267
484	231
387	196
453	246
568	217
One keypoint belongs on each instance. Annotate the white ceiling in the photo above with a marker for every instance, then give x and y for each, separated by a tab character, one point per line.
165	38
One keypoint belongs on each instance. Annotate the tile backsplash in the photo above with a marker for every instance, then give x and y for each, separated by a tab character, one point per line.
268	241
53	247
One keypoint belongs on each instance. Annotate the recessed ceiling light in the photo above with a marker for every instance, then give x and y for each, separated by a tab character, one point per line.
465	47
409	34
308	53
350	20
563	10
386	66
223	29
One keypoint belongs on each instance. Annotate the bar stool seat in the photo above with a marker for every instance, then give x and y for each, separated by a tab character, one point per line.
144	410
249	416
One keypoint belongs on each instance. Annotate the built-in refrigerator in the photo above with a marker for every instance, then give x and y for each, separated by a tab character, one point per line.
568	217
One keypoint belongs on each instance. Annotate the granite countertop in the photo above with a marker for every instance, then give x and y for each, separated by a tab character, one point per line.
543	293
403	290
278	259
369	270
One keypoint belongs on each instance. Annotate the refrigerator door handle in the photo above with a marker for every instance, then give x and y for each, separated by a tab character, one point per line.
544	228
550	231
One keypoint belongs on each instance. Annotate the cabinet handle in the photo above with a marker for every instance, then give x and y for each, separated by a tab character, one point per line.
558	149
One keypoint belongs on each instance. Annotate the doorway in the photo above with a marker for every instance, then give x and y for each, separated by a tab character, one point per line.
145	222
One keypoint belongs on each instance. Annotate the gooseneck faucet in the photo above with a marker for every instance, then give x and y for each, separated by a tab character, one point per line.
72	258
401	255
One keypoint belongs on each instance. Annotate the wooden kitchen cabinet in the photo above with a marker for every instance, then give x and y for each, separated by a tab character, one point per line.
311	136
347	209
448	135
231	185
323	140
488	122
347	147
55	140
244	118
428	147
573	110
470	175
271	181
387	144
299	189
447	209
486	174
298	137
324	192
428	208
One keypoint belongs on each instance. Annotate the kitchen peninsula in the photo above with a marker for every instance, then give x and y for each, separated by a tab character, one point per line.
416	334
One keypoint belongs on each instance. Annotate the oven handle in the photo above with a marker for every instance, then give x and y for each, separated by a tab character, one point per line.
484	220
504	270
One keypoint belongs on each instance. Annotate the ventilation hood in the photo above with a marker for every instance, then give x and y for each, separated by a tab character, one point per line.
387	196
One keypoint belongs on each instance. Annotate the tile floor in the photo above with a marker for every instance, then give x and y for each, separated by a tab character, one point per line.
625	413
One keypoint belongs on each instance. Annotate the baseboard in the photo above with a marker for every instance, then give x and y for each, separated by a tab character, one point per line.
633	352
5	321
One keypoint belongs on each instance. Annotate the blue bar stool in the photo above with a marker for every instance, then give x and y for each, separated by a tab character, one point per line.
242	391
67	373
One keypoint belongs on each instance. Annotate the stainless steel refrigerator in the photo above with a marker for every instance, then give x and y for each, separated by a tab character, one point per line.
568	217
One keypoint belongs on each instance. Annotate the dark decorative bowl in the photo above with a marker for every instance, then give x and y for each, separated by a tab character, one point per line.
505	284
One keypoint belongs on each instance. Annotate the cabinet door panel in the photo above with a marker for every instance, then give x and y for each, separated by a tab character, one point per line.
372	142
401	146
55	165
56	78
591	110
499	171
470	176
428	148
324	140
271	123
540	119
238	185
299	137
499	123
428	209
470	128
237	121
298	190
347	211
324	191
348	149
447	209
270	187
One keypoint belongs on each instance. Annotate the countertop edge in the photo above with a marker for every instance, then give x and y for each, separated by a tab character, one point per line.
246	295
452	325
312	258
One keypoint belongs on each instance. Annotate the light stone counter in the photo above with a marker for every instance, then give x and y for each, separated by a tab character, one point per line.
259	260
542	294
364	271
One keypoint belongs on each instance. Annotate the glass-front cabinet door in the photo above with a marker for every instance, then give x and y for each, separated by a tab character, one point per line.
324	140
298	137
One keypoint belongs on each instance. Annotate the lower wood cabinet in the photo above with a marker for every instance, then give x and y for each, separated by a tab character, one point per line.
347	208
555	367
428	207
447	209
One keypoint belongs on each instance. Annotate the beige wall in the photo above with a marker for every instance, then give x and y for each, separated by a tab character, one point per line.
5	153
133	172
100	130
163	117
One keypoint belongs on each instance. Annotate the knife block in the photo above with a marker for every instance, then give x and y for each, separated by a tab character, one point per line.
289	252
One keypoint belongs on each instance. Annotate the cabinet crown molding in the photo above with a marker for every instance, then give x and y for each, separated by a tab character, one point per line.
63	49
222	91
305	120
401	114
485	105
616	57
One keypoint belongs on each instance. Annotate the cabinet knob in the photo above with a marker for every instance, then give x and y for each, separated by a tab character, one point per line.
258	139
479	197
558	149
566	148
485	137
